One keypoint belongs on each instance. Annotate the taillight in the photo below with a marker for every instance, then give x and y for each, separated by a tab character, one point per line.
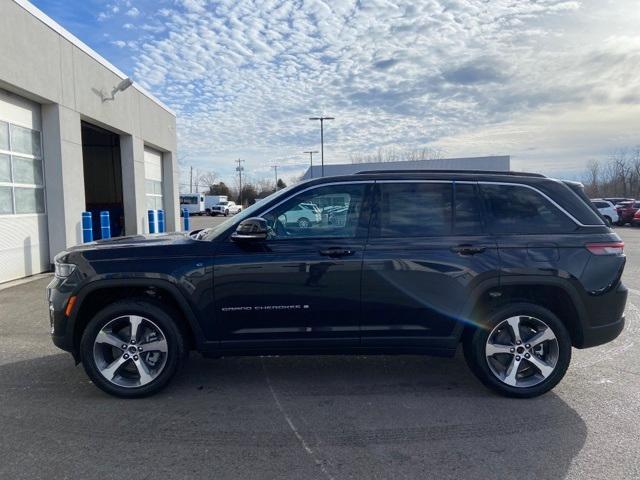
609	248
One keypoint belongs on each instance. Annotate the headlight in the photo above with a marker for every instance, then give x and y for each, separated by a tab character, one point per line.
63	270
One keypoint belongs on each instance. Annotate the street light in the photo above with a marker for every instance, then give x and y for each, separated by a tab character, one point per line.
322	119
311	152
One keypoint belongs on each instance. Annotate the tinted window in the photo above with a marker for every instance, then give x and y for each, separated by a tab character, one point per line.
413	210
468	210
301	216
515	209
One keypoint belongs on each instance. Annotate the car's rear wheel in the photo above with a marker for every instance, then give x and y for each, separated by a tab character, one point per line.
132	348
522	350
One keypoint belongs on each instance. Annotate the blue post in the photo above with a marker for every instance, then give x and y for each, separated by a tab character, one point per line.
160	221
105	225
187	223
87	227
152	221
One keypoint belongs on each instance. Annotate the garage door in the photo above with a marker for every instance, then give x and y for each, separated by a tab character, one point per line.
24	241
153	179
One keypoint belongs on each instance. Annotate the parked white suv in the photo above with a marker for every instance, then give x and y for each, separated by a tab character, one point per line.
607	210
226	208
304	215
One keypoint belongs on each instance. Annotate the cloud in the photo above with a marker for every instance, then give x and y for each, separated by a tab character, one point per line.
133	12
245	76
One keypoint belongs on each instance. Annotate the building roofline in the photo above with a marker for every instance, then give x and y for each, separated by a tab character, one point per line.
60	30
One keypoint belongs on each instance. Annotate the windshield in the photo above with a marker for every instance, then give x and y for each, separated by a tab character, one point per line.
190	200
209	234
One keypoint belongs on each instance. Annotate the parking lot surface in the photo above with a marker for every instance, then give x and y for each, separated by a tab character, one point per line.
315	417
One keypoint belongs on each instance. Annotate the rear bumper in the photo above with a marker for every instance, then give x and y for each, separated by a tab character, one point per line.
605	318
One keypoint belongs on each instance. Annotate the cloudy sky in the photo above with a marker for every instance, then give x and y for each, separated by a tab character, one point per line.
553	83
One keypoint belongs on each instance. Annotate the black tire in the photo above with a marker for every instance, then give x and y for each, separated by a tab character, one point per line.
226	213
475	345
157	313
608	219
304	223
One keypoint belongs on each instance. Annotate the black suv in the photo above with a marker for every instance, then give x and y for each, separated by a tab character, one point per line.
516	267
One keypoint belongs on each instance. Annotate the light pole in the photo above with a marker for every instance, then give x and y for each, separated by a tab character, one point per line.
322	119
239	169
311	152
275	168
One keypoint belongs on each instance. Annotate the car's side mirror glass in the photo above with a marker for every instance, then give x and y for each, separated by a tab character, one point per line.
251	229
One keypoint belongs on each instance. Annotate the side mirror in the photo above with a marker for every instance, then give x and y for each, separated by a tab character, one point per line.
251	229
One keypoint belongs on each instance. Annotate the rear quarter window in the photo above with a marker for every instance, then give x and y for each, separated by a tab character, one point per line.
514	209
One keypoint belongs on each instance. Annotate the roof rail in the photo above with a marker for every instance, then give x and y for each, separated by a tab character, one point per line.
480	172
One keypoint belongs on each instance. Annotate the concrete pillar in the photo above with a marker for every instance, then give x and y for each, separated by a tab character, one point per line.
133	185
64	176
170	182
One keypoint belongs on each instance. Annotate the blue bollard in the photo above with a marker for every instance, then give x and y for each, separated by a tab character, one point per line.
105	225
152	221
160	214
187	223
87	227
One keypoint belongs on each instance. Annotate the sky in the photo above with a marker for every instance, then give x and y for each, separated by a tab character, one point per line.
553	83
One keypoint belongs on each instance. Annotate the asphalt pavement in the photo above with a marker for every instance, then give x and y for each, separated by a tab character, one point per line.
316	417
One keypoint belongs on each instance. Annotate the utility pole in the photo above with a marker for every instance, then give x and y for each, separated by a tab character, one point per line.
275	168
191	180
311	160
322	119
239	169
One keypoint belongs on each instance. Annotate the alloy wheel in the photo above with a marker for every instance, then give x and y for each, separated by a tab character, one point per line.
130	351
522	351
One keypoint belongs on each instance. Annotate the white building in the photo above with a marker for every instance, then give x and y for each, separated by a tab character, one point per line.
495	163
71	142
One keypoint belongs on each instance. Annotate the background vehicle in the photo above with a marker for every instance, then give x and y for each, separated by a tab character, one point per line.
211	201
193	202
225	208
303	215
517	268
626	211
607	210
636	219
617	200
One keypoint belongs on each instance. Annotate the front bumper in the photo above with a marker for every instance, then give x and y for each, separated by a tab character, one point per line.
58	294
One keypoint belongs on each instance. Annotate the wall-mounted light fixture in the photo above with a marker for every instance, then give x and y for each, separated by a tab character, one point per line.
121	87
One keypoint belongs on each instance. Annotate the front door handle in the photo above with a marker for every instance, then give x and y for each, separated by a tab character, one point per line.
336	252
467	249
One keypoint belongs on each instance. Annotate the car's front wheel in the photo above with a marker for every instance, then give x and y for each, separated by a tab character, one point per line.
522	350
304	223
132	348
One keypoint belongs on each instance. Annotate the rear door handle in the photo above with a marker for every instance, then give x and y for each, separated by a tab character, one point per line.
336	252
467	249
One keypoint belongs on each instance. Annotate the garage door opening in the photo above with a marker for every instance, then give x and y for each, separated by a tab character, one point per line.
102	177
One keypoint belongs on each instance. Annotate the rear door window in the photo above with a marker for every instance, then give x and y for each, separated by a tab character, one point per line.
419	209
515	209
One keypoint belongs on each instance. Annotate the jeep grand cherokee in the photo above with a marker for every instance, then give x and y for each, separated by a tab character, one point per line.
518	268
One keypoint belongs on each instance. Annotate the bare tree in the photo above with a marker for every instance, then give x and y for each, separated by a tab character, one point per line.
391	154
619	176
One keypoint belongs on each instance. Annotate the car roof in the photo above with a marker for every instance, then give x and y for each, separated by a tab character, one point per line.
461	175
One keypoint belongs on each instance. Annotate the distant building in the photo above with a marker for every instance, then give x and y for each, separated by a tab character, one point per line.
496	163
